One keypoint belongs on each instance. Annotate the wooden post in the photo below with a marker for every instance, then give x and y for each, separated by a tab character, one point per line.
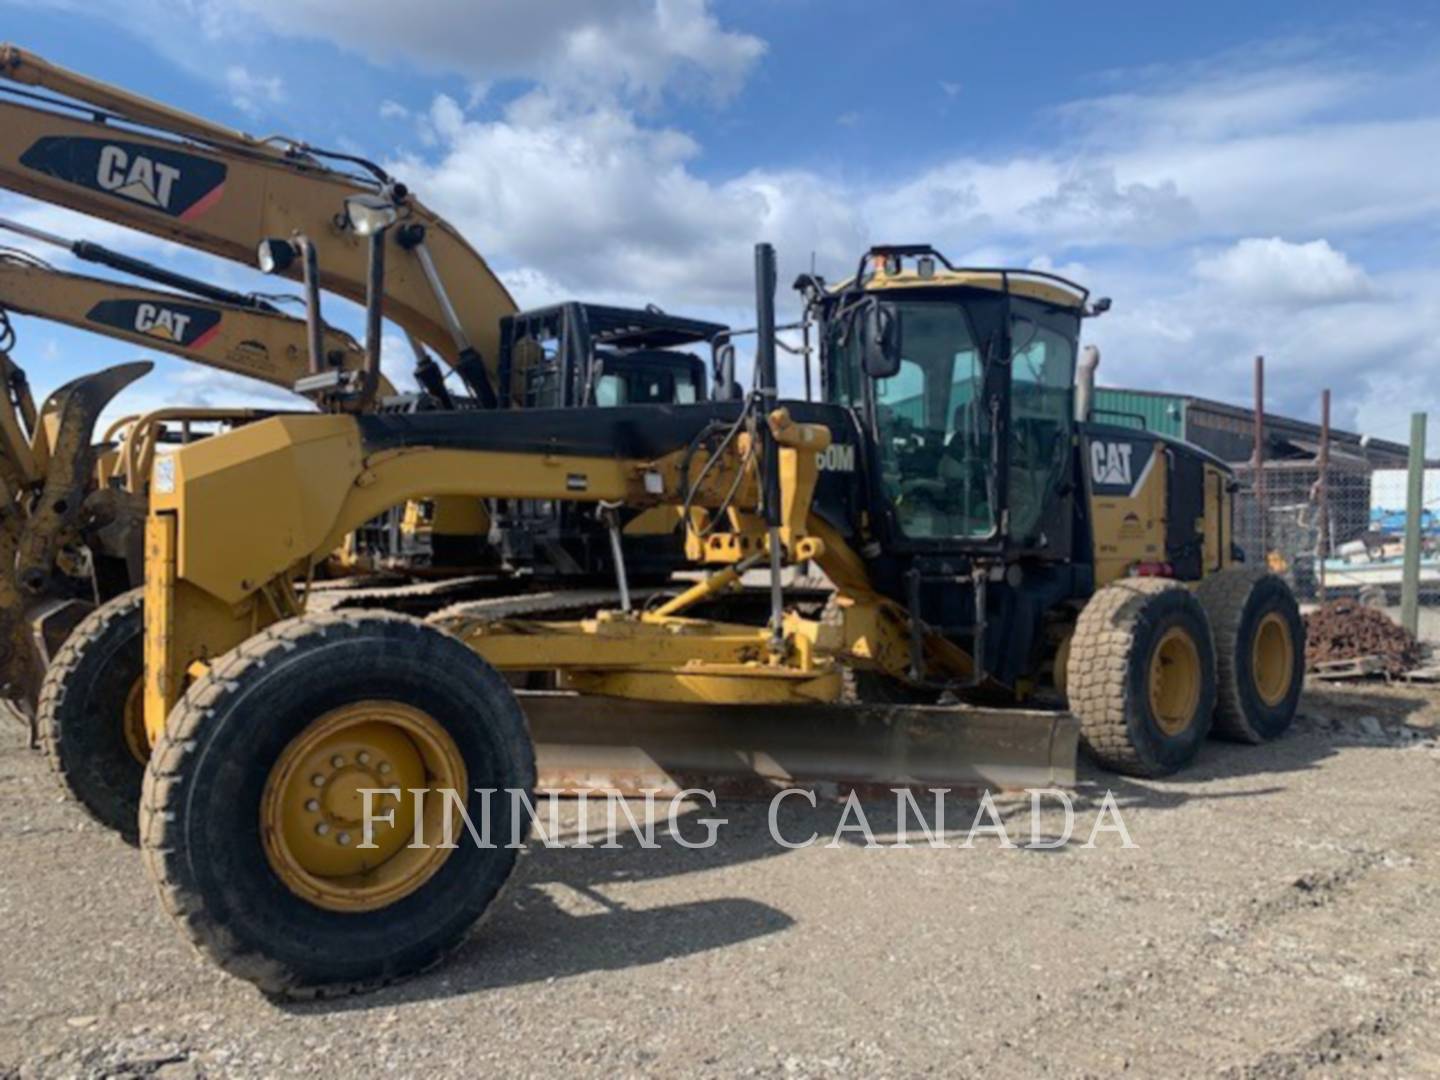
1414	505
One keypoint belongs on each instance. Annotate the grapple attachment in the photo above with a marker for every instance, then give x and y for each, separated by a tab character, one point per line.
37	608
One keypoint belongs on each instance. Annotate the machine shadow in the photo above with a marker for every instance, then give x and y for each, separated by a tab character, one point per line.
562	916
535	934
1328	721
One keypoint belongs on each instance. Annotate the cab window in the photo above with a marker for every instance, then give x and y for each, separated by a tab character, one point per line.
1042	374
610	391
934	440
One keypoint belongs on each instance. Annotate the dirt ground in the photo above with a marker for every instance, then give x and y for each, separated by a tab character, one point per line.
1279	916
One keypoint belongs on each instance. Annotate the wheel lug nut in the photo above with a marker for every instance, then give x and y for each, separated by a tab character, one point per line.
344	839
312	805
337	761
317	780
363	758
384	766
321	829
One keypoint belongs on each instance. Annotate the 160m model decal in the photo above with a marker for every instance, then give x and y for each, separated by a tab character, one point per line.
171	181
186	325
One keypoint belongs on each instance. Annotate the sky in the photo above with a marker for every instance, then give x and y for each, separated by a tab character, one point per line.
1240	179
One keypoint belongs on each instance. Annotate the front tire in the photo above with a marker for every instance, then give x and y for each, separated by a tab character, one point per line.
1259	653
253	802
90	717
1141	676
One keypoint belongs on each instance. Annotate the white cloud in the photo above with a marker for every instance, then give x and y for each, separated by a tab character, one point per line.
1324	178
598	203
635	47
250	92
1379	353
1214	104
1274	271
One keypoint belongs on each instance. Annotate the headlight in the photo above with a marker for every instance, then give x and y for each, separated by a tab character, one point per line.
370	214
275	256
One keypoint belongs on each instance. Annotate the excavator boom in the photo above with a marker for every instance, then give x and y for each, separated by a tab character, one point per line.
263	344
144	165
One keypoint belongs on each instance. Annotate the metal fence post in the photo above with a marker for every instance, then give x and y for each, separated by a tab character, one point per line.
1322	542
1414	507
1259	458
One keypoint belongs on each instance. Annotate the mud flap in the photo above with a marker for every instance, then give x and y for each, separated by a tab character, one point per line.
593	744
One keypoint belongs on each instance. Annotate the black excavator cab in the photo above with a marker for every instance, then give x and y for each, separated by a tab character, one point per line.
577	355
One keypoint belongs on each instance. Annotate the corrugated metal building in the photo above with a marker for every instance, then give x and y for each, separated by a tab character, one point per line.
1228	431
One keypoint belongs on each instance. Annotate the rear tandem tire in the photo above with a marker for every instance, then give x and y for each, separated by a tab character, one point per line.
1141	676
88	720
1259	653
253	792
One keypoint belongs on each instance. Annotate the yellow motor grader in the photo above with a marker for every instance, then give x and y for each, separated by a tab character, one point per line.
984	541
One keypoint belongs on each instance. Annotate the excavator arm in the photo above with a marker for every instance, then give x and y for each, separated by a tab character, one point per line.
97	149
259	342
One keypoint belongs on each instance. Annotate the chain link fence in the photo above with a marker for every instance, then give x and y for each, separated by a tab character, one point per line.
1339	531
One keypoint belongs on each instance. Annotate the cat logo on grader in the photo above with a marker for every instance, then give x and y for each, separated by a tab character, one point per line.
1110	463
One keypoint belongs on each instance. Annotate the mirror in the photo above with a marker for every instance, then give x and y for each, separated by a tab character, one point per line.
726	388
879	327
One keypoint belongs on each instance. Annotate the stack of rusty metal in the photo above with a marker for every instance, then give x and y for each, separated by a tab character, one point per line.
1345	632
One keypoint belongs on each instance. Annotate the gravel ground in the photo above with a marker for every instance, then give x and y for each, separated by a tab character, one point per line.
1279	916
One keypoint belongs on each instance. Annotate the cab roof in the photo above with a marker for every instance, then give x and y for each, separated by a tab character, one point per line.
1021	283
897	266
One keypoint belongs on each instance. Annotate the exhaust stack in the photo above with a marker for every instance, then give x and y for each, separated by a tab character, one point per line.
1085	383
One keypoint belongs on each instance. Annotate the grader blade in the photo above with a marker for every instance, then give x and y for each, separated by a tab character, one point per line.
599	745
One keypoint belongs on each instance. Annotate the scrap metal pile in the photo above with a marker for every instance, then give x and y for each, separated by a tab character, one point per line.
1346	630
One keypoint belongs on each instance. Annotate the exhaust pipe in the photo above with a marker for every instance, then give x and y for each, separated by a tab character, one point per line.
1085	383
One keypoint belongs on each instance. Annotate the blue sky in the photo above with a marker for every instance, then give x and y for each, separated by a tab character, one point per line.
1240	178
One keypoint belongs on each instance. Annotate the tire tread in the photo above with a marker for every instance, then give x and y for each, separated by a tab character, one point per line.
1099	671
50	719
164	793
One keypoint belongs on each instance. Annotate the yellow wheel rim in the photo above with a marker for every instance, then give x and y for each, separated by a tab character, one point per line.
1175	680
132	723
313	809
1272	659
